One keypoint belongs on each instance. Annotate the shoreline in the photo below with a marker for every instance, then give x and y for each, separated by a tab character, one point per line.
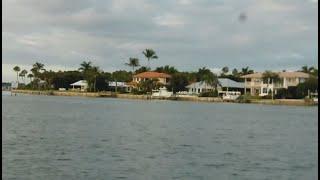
289	102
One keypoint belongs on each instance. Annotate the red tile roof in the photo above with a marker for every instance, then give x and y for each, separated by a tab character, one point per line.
151	74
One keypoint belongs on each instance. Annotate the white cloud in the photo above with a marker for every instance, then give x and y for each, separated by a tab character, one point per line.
169	20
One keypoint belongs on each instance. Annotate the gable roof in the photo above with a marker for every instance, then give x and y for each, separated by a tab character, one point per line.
281	74
200	84
80	83
151	74
225	82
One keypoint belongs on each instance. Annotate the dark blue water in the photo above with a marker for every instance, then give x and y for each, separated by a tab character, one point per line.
46	137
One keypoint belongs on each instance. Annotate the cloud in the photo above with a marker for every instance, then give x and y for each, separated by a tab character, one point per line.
169	20
187	34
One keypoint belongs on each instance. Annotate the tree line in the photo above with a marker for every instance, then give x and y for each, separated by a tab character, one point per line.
41	78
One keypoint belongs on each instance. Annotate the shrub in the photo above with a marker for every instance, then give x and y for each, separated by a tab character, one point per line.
243	99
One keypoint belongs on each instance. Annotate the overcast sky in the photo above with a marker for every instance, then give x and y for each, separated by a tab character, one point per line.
187	34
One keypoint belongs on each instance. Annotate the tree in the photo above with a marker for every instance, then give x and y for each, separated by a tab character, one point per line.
208	77
23	74
167	69
311	84
91	77
150	54
272	77
225	70
310	70
178	82
133	62
30	76
246	70
142	69
85	66
17	70
149	84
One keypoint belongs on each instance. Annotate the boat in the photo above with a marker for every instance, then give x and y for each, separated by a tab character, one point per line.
230	95
314	97
161	92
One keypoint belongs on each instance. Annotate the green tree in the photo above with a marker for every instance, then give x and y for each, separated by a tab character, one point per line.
17	70
149	84
85	66
178	82
225	70
167	69
245	71
23	74
149	54
133	62
142	69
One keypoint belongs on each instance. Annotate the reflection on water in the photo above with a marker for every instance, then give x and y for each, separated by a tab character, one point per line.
47	137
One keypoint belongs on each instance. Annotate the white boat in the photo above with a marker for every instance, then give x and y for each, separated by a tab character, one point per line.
231	95
161	92
314	97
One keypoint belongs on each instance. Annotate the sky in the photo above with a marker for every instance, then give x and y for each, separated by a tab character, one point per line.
187	34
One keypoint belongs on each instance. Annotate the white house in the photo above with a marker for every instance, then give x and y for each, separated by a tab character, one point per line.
199	87
120	85
81	85
258	86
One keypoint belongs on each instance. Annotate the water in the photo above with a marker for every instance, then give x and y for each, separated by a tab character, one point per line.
46	137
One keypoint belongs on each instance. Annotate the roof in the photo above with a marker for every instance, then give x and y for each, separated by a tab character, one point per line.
200	84
281	74
80	83
225	82
151	74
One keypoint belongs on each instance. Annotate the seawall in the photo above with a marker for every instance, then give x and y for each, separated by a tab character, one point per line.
293	102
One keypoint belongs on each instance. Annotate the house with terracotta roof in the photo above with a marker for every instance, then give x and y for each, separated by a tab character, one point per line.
258	86
162	78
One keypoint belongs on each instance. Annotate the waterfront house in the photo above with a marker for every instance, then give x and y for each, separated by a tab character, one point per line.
119	86
225	84
199	87
162	78
258	86
81	85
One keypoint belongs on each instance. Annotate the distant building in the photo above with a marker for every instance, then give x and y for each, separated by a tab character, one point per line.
6	86
257	86
81	85
225	84
199	87
121	86
162	78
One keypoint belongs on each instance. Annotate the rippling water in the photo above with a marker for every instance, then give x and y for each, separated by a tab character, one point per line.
46	137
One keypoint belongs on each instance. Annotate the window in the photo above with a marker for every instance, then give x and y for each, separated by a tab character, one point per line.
265	90
265	81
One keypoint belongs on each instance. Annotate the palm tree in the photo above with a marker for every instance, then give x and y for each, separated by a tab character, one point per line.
85	66
271	76
91	76
246	70
150	54
30	76
17	69
23	75
225	70
133	62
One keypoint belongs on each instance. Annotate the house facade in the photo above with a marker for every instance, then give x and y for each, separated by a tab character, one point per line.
81	85
162	78
199	87
257	86
224	84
